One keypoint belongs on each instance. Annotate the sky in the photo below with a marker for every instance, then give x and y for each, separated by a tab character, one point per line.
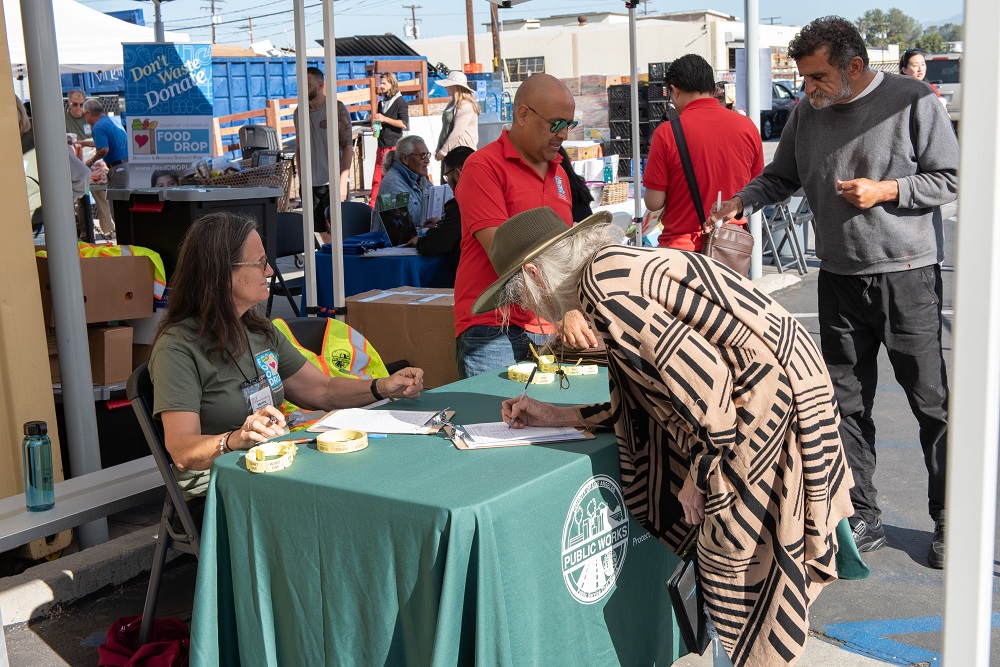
272	19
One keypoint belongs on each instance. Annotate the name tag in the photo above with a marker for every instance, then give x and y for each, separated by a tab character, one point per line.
257	394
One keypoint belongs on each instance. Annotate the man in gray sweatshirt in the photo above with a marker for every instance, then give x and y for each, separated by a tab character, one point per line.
877	157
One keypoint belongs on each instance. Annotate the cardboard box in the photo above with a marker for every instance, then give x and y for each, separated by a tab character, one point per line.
114	288
140	354
110	353
583	150
412	323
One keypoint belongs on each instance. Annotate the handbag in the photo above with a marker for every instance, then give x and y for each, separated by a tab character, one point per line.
688	603
730	245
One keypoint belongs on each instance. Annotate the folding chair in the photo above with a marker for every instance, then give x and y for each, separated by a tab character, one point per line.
186	537
357	218
803	215
778	218
288	242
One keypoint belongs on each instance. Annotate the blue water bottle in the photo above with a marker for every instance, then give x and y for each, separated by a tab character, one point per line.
39	493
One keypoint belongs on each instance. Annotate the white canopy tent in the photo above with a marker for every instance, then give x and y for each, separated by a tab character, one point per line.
87	40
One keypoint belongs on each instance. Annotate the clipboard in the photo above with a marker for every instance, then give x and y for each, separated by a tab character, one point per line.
460	442
426	430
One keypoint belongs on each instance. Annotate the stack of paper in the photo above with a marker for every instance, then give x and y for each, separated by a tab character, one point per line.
407	422
497	434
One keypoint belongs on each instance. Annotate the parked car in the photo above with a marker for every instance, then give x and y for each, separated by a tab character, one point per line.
772	121
943	71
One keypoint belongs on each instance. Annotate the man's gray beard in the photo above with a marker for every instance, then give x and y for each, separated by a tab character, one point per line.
825	101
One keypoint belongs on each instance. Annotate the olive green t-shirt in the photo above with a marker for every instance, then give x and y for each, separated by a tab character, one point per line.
186	379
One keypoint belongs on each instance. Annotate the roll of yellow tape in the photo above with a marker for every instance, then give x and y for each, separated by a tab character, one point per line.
270	456
521	372
547	363
341	441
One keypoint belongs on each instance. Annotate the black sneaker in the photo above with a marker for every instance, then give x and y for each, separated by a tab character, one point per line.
935	557
867	536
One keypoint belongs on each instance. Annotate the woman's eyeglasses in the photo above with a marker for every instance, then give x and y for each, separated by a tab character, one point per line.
557	125
260	264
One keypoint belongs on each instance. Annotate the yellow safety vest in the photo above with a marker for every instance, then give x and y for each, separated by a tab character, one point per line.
346	353
159	275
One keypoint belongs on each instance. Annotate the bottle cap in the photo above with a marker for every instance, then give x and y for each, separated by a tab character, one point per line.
35	428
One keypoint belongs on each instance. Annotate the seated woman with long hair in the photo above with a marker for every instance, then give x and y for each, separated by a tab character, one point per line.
220	368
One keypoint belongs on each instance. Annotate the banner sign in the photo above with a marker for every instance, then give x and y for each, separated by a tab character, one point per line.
168	110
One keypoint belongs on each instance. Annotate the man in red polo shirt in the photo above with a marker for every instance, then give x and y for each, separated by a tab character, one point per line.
519	171
725	148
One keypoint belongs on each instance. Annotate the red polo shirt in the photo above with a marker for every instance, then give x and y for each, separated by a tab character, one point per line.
726	154
497	184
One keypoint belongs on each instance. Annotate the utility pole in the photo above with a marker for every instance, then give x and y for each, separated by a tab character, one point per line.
495	25
249	26
413	17
215	17
470	25
645	6
770	19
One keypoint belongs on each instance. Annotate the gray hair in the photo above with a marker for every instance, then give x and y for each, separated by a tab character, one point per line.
23	122
76	91
405	146
93	106
561	268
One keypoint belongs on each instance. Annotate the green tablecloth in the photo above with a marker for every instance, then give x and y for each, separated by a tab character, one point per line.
413	552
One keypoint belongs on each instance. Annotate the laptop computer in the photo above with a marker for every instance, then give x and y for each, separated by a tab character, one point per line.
398	224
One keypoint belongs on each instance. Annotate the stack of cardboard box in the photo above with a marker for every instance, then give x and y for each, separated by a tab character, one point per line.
115	289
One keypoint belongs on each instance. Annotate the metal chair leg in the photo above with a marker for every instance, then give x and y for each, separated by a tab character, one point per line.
156	571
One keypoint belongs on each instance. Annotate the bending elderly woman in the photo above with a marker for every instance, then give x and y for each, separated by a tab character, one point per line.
219	367
723	411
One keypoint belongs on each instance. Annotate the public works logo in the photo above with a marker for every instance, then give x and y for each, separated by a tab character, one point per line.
594	539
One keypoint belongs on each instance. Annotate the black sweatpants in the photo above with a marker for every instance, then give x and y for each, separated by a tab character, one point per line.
902	311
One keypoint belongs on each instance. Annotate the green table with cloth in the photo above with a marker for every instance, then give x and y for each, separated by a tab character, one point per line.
414	552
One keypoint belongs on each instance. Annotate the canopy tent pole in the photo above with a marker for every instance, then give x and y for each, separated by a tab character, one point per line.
751	42
157	23
975	394
303	144
636	146
49	126
333	155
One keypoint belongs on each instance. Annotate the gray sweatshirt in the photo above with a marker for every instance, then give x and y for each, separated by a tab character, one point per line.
898	131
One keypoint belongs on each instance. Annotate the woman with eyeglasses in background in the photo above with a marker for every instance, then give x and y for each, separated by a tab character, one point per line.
220	369
404	171
460	120
913	63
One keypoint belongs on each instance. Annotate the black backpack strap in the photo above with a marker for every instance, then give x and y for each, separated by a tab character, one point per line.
685	155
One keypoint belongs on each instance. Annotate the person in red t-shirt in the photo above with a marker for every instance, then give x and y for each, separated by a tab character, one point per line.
519	171
725	148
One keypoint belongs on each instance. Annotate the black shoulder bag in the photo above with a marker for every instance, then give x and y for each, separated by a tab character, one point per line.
687	600
730	245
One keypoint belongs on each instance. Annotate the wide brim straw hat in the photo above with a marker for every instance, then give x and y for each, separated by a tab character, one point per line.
520	240
455	79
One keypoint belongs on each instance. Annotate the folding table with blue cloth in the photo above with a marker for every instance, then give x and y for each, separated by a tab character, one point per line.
365	270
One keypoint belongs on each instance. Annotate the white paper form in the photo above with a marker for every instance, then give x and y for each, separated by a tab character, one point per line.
406	422
497	434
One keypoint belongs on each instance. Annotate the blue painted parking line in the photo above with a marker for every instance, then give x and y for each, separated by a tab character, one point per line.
872	638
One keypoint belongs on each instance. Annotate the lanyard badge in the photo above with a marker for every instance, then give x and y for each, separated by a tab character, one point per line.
256	394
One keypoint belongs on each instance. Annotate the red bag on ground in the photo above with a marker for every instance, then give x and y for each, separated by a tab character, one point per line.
169	644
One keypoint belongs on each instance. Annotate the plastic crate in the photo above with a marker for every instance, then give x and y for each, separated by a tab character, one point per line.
657	91
658	71
619	111
620	147
619	93
657	112
621	130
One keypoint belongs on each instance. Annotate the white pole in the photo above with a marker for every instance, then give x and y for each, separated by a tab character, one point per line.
333	152
304	144
49	128
751	26
157	23
973	408
636	145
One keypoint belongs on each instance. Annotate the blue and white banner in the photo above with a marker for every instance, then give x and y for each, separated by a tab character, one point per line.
169	110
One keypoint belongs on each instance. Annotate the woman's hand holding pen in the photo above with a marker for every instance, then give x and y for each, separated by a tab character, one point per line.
261	426
525	411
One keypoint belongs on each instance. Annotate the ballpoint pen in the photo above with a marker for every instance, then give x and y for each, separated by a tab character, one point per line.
523	393
718	207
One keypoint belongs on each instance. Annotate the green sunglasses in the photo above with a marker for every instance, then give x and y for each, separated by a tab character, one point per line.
557	125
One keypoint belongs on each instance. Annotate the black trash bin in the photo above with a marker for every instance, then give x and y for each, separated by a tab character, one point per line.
157	218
